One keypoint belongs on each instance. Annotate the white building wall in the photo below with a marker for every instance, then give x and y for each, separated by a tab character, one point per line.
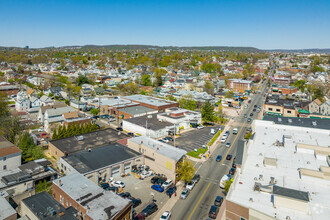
11	162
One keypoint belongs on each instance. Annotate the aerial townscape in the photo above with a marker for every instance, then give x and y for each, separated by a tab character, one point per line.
136	131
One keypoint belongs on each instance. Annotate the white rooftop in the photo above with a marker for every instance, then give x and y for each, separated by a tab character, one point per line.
162	148
92	197
6	210
290	158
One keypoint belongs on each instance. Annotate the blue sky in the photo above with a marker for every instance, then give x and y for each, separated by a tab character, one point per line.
265	24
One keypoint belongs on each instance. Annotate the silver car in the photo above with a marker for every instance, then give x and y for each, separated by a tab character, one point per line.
184	194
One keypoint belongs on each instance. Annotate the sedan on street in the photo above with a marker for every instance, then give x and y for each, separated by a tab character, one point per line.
228	144
165	216
228	157
184	194
218	159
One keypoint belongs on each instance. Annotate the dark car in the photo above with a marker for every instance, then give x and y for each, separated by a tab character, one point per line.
158	188
161	140
169	138
196	178
245	115
104	185
254	109
249	101
154	179
151	208
140	216
227	133
228	157
233	165
171	190
112	188
161	180
130	134
255	106
119	129
125	194
213	212
218	159
249	119
218	201
251	114
136	202
232	171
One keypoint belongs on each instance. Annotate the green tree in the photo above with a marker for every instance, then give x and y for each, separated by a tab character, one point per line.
29	150
185	171
208	112
227	185
43	185
131	88
208	87
229	94
95	111
211	67
146	80
158	73
187	102
55	136
82	80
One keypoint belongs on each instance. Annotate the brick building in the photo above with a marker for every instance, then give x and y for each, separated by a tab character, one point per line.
285	90
90	200
9	89
239	85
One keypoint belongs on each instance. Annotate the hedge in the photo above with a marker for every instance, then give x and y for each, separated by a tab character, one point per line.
214	138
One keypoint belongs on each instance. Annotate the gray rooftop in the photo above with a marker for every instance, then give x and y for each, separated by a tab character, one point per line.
45	207
137	110
85	161
300	122
291	193
59	111
162	148
90	140
153	122
149	100
6	209
101	204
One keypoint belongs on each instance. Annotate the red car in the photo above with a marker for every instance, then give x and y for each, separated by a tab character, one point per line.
43	134
140	216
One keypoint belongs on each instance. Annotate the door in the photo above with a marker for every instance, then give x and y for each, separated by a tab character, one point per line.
127	168
115	172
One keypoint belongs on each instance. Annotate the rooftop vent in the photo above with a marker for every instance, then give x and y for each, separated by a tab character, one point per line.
251	199
272	180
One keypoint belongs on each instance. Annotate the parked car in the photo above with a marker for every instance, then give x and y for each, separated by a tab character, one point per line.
255	106
232	171
171	190
136	202
254	109
245	115
228	144
145	174
104	185
200	126
249	119
119	129
119	184
251	114
151	208
213	212
112	119
228	157
112	188
219	158
154	179
249	101
184	194
196	178
157	187
190	185
223	140
161	180
227	133
218	201
165	216
130	134
233	165
161	140
165	140
169	138
235	131
167	184
125	194
140	216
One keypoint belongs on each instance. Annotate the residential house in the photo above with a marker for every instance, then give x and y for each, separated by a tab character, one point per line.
56	91
10	155
54	116
325	108
35	102
9	89
314	106
43	109
22	102
78	104
45	100
90	200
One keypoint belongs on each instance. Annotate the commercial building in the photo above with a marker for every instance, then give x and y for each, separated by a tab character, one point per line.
69	145
161	157
135	111
279	107
43	207
90	200
101	163
284	90
10	155
239	85
284	173
151	102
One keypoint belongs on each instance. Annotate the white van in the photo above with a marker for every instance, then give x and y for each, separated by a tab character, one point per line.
235	131
212	131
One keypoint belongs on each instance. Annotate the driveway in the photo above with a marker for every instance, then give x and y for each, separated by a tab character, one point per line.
194	139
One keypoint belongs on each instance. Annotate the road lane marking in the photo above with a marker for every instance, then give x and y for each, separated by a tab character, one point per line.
199	201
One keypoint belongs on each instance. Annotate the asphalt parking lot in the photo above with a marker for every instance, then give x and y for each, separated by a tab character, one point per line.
194	139
142	189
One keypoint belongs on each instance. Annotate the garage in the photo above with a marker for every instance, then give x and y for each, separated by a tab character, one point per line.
127	168
115	172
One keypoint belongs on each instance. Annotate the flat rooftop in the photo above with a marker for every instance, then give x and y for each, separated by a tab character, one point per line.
6	209
85	161
90	140
118	102
162	148
301	122
41	203
101	204
284	153
149	100
138	110
153	122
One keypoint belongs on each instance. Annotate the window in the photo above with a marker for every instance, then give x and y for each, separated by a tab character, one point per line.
67	203
270	109
4	167
289	111
278	110
4	158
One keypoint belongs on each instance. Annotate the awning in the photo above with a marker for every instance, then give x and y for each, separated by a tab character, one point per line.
274	113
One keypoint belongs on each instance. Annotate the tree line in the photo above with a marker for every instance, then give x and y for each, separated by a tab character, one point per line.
72	129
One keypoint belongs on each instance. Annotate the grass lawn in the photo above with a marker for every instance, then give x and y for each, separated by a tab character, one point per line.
197	153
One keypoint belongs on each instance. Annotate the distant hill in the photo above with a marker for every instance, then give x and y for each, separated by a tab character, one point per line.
314	50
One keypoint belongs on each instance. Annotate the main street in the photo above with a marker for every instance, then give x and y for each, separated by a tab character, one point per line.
200	199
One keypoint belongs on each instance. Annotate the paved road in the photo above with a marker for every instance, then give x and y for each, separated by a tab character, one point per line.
198	203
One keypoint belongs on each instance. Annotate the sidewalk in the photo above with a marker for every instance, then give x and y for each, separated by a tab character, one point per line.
171	202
